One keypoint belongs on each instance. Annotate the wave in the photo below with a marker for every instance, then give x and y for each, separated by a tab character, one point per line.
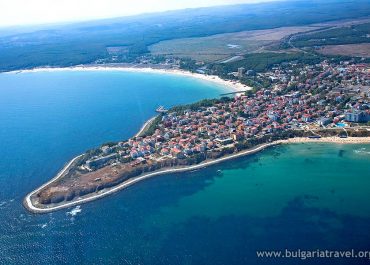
74	211
362	151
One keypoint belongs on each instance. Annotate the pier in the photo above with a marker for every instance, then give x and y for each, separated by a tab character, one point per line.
233	93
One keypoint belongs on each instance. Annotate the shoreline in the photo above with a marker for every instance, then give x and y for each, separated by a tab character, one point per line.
145	125
330	139
27	202
234	86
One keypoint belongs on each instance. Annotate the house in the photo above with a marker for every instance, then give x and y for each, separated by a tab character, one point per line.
307	117
237	136
324	121
225	141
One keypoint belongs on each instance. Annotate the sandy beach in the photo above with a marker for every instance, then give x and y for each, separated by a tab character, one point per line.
337	140
234	86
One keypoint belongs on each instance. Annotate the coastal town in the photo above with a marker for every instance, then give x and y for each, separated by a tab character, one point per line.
313	101
332	96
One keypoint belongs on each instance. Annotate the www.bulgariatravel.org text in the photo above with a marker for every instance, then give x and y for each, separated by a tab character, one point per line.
314	254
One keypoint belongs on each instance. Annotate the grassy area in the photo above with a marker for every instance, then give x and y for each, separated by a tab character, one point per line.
355	50
197	105
152	126
221	46
206	49
342	35
260	62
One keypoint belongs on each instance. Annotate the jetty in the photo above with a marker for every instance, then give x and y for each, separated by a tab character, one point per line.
233	93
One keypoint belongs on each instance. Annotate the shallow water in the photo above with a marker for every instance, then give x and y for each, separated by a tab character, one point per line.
305	196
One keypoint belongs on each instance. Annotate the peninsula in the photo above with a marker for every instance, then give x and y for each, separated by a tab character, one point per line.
197	135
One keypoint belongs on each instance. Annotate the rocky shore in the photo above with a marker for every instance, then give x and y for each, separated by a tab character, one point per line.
41	200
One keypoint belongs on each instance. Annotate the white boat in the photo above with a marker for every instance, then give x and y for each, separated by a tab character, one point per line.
161	109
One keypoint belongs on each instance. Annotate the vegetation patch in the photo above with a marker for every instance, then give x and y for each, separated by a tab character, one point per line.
343	35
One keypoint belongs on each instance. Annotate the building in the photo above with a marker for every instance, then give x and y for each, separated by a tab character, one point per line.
324	121
224	141
357	116
100	161
241	72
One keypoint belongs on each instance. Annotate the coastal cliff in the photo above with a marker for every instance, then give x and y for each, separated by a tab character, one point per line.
63	191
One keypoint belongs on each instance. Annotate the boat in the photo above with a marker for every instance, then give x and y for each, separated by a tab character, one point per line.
161	109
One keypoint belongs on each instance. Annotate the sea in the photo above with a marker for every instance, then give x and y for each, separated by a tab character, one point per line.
290	198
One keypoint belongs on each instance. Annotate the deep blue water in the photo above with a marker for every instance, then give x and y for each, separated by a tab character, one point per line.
298	196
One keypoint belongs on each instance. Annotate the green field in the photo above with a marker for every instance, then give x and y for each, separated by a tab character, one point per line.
336	36
222	46
260	62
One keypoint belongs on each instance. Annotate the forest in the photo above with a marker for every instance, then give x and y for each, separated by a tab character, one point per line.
89	42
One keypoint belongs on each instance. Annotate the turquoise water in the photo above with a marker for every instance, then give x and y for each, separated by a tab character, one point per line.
298	196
